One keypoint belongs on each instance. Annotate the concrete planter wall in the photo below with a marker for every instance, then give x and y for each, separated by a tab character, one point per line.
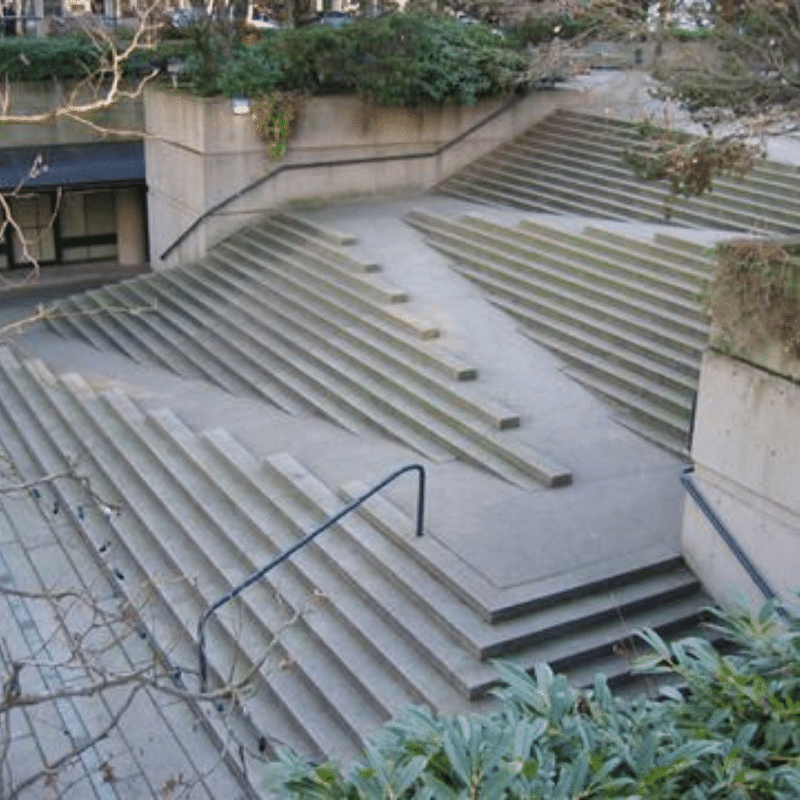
199	153
32	98
746	450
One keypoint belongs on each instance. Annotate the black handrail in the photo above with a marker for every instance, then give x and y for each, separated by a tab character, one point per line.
437	151
260	573
728	538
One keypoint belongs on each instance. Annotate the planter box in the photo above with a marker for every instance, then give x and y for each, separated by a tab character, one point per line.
746	450
199	154
32	98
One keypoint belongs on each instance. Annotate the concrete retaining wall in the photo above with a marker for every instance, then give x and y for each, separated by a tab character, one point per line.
747	455
199	153
32	98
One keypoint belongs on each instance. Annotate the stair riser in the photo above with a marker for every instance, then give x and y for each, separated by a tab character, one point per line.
178	326
753	193
356	358
364	285
524	243
694	263
567	193
568	292
242	531
673	401
683	386
618	134
244	635
613	612
627	197
343	318
661	422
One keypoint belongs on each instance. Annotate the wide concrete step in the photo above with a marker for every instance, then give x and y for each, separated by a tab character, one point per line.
349	630
157	591
154	557
592	191
654	281
427	422
527	275
280	279
613	134
178	325
690	261
98	320
522	172
332	708
494	194
366	284
727	206
319	639
751	195
640	356
269	274
652	420
607	350
335	247
354	595
583	325
541	194
442	629
577	162
315	233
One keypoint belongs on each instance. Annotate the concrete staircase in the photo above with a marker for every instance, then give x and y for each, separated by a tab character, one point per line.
625	315
287	312
574	162
363	622
45	524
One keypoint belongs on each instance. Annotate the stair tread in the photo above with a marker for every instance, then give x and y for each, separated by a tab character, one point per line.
559	332
627	312
286	286
159	519
566	269
363	283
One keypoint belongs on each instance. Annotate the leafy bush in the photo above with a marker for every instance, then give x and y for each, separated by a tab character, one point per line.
408	59
250	73
546	27
315	59
400	60
404	59
36	59
736	734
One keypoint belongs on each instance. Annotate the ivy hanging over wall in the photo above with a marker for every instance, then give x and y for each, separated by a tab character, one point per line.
275	120
755	295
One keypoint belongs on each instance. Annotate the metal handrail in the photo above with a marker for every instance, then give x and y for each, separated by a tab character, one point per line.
761	583
260	573
434	153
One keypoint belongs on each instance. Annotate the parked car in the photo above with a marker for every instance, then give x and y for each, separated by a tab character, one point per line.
185	17
263	21
335	19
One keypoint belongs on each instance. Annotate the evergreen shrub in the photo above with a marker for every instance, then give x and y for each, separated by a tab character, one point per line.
731	733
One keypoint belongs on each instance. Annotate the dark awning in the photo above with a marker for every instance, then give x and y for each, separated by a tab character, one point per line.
73	165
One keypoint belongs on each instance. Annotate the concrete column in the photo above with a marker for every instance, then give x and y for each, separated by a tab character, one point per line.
131	244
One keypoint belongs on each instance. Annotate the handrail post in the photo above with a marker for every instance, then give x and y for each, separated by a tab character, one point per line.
202	662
